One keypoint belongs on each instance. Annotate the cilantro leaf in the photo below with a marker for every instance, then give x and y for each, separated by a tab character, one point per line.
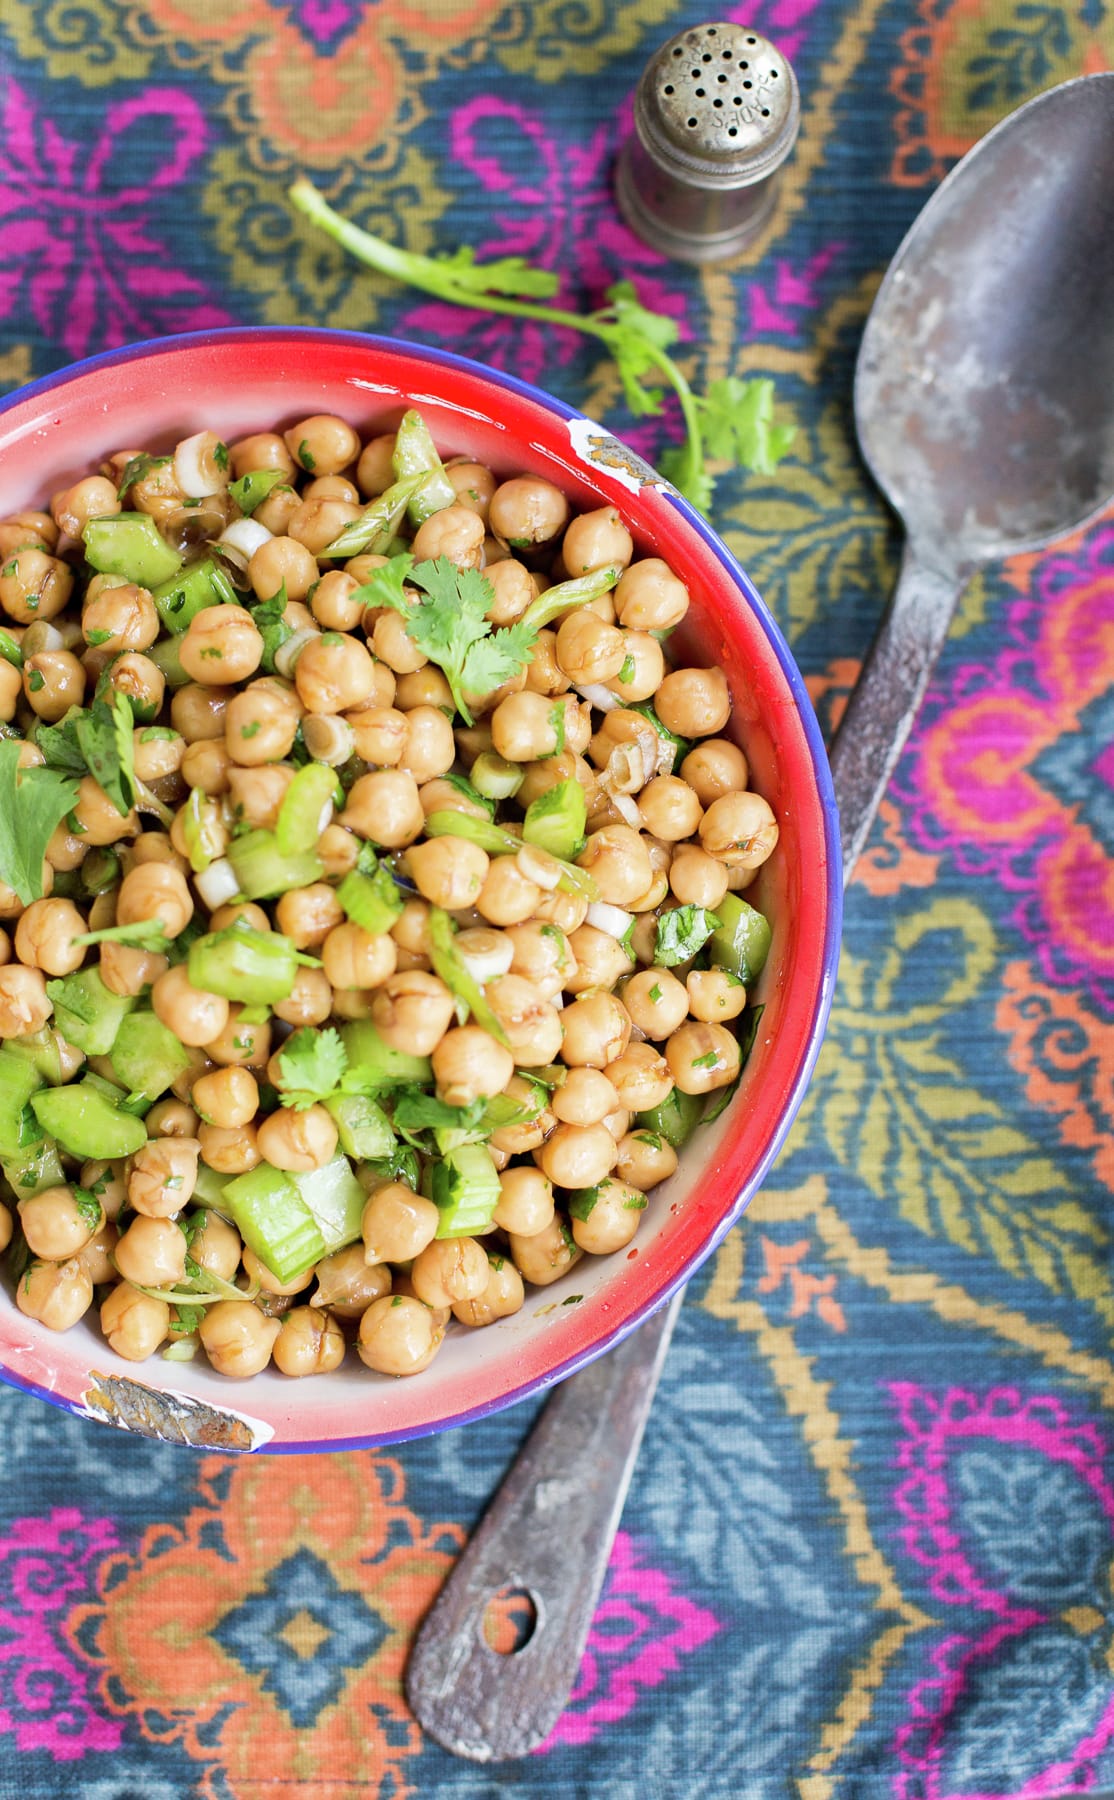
272	627
104	735
136	469
415	1110
738	424
312	1064
447	621
33	802
681	933
639	333
59	744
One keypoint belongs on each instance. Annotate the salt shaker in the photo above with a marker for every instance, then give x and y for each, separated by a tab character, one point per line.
715	116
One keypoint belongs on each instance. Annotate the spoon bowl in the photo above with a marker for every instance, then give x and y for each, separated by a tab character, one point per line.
984	393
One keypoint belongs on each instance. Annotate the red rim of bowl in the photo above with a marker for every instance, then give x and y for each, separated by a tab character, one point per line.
528	417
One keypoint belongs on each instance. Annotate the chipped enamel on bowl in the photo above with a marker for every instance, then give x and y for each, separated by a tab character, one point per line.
239	381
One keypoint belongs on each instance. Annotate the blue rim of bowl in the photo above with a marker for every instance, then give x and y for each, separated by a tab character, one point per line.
821	770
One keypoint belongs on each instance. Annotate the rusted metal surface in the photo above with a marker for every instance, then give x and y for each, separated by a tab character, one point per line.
173	1418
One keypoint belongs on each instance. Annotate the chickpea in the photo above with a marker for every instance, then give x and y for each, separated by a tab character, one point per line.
507	897
323	444
575	1156
240	1042
155	891
670	808
193	1014
221	645
610	1220
702	1057
172	1118
600	960
380	734
23	528
309	1343
256	797
640	1077
527	510
399	1335
126	971
393	644
412	1010
386	807
421	688
197	712
740	830
307	915
334	672
526	726
282	562
503	1296
619	862
649	597
468	1064
95	497
347	1285
226	1097
261	450
319	519
56	1225
656	1001
229	1149
645	1158
309	1001
127	614
473	485
543	954
696	878
264	1278
57	1294
34	585
643	668
152	1252
587	649
450	1269
98	1256
162	1176
585	1097
694	702
261	723
240	912
298	1140
713	768
140	680
429	747
514	588
216	1246
24	1006
448	871
134	1324
714	995
44	937
354	958
397	1224
546	1255
375	471
597	1031
7	1226
441	795
11	690
332	604
53	681
596	540
456	532
276	511
531	1025
525	1201
237	1338
566	911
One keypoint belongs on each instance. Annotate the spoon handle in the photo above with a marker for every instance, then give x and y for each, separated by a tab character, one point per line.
548	1531
889	690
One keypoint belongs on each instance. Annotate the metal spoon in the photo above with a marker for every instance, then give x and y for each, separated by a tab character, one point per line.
984	400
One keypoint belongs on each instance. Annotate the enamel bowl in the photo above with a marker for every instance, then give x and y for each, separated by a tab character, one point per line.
238	381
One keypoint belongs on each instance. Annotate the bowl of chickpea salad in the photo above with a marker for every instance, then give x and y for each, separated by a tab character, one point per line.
419	889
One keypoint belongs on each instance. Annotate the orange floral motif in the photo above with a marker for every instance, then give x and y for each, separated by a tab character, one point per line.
966	63
1067	1058
784	1260
271	1629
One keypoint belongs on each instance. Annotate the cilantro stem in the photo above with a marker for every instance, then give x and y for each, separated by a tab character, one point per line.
413	269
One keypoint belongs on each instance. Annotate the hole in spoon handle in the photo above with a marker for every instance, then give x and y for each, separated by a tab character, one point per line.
548	1534
888	694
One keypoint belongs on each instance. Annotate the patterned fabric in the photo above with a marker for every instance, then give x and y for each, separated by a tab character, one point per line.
869	1545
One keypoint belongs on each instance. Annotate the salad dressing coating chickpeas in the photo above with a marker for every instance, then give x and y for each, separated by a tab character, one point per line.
372	937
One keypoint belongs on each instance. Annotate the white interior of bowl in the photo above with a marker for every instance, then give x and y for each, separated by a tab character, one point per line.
558	1324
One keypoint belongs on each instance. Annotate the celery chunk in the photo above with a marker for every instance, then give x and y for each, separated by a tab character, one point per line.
85	1122
86	1012
130	545
465	1191
146	1056
274	1220
369	1055
336	1200
189	592
742	942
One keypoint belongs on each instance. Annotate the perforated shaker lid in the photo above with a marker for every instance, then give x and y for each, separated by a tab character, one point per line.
718	106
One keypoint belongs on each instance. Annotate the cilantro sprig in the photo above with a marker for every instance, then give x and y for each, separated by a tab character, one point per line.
719	427
447	619
313	1066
